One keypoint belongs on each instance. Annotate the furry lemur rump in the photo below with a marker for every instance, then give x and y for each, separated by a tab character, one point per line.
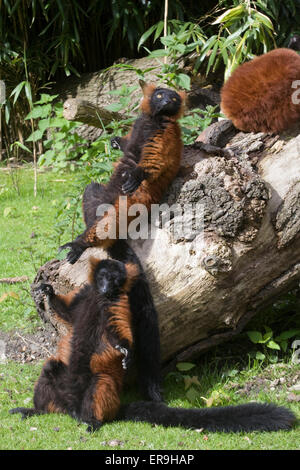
260	94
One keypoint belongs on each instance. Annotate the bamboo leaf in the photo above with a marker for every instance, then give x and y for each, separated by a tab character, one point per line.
16	91
146	35
28	92
233	13
212	57
264	19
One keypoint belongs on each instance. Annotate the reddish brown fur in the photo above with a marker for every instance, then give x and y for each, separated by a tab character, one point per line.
132	274
121	318
258	95
64	348
148	89
93	263
106	401
108	365
67	298
90	396
52	408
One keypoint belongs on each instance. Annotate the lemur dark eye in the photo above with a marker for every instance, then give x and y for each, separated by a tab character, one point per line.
159	95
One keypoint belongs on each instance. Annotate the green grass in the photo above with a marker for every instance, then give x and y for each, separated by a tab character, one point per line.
20	216
27	237
62	432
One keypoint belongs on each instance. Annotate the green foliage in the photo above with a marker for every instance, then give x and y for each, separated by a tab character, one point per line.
193	387
267	340
186	33
64	148
242	31
195	121
181	39
61	432
42	40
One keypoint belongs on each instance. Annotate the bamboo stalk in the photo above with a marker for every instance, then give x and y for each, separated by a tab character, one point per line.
166	25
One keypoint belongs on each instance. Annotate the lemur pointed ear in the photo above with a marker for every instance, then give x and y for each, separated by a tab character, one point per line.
142	83
183	96
148	90
93	263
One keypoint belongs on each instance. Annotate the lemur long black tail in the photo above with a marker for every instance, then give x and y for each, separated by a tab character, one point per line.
248	417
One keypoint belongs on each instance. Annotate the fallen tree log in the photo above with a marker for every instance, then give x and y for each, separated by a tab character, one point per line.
209	283
88	113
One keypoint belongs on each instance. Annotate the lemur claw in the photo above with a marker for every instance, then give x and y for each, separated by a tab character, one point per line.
125	352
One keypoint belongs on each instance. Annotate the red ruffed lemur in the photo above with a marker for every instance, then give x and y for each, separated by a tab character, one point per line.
84	379
151	160
261	95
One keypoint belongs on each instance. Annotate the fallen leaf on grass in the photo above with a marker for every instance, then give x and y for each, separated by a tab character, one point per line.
9	294
7	211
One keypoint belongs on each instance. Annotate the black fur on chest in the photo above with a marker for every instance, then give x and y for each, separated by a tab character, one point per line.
144	129
92	315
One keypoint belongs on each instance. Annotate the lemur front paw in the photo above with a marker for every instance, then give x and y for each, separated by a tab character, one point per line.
93	426
66	246
47	289
115	142
74	253
132	180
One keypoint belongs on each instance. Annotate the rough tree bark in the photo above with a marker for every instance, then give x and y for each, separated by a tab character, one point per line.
206	288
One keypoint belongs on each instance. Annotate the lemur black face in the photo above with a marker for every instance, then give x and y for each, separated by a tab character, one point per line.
165	102
110	277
